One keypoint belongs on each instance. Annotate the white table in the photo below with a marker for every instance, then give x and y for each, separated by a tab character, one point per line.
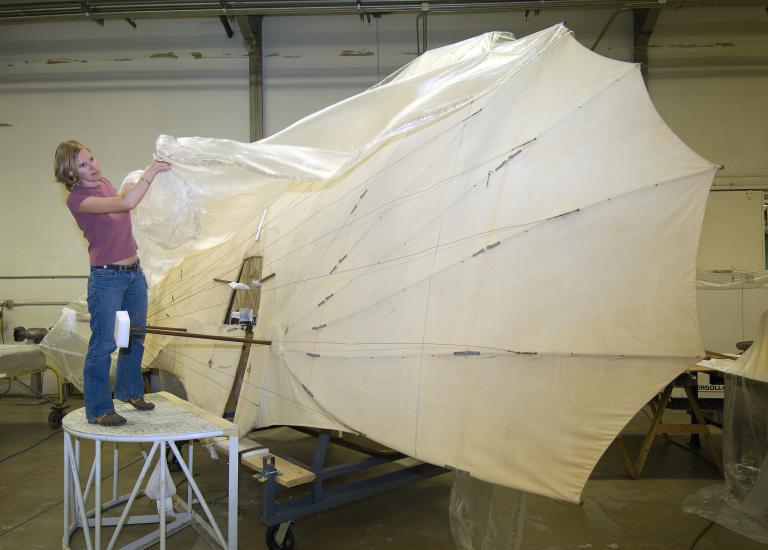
171	421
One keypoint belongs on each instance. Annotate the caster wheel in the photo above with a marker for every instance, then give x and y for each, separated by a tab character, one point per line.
54	419
288	543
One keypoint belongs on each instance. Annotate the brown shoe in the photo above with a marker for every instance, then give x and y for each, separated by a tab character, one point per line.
140	404
111	419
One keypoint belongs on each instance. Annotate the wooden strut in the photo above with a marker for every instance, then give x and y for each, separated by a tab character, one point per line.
248	341
183	334
234	394
167	328
262	280
658	427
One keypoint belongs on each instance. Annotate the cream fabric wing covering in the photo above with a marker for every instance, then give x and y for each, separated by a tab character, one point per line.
487	261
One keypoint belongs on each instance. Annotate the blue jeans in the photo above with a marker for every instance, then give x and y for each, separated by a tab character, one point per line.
110	291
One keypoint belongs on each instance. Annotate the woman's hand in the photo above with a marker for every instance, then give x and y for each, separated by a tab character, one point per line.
129	197
152	169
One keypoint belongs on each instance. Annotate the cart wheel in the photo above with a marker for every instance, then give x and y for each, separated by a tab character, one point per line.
289	541
54	418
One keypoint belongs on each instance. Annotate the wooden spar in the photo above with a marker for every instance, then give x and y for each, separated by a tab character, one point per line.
267	278
234	394
177	332
167	328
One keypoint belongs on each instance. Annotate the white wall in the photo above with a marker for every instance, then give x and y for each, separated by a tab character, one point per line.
709	81
733	237
312	62
116	89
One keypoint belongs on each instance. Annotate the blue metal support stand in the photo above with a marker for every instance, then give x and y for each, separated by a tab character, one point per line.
321	496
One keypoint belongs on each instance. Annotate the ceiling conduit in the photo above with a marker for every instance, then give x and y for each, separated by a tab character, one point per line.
14	11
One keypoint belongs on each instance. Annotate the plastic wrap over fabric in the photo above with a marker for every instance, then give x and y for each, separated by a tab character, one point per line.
741	503
19	359
729	280
66	343
484	516
485	262
753	363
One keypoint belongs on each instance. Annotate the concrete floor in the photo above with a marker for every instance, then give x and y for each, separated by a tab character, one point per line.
617	512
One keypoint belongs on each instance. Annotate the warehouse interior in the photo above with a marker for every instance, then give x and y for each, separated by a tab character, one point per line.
118	75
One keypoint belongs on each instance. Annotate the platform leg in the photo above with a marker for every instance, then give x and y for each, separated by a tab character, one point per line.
135	490
115	470
67	481
190	455
162	464
79	497
234	463
97	496
198	494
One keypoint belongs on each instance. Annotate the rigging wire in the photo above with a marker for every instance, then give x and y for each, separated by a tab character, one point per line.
425	317
189	364
389	166
476	112
456	242
382	263
412	196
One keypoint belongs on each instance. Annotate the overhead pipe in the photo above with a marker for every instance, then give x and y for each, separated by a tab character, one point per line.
29	12
611	19
10	304
24	277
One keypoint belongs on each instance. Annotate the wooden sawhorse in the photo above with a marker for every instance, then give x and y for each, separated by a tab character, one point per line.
658	405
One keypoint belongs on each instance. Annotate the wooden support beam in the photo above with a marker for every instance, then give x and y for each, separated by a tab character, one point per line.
237	382
658	427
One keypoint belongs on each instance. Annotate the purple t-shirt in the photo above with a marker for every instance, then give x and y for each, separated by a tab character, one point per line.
110	237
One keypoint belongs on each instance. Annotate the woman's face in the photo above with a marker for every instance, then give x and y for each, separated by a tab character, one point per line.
88	168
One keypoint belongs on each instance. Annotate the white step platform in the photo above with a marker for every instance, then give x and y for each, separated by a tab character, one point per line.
171	421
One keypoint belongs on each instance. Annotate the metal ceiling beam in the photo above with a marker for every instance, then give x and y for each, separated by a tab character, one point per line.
643	23
31	11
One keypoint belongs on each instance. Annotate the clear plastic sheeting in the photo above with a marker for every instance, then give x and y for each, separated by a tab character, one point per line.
741	503
19	359
484	516
171	212
753	363
485	262
66	343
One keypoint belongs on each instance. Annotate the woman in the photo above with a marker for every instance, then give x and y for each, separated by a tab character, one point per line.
116	281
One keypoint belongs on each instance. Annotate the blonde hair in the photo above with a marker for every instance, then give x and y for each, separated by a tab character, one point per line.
65	163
